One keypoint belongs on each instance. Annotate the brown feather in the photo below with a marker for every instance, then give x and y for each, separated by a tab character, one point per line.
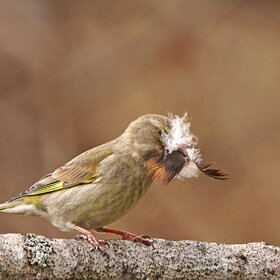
163	169
82	167
158	171
219	174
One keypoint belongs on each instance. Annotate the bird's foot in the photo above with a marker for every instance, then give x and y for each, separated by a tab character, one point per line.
89	237
137	238
128	236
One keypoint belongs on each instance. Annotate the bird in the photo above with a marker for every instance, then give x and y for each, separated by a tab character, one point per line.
102	184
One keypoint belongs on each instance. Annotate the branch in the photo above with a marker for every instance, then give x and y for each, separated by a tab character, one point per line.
37	257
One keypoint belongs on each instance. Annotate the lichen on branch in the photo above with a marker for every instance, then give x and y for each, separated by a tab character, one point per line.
37	257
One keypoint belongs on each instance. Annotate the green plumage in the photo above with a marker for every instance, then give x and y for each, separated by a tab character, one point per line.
98	186
102	184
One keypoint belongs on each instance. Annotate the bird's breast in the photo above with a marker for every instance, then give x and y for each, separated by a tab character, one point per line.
118	189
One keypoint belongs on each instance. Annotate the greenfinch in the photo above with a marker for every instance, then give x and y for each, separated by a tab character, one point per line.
102	184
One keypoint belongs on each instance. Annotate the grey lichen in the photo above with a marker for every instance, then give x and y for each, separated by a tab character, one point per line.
39	250
34	257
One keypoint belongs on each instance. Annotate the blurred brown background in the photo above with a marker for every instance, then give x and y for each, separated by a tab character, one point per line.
75	73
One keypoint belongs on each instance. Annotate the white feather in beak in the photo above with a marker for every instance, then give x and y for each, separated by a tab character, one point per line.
180	136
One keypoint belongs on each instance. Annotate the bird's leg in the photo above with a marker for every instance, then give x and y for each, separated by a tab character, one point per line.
87	235
127	235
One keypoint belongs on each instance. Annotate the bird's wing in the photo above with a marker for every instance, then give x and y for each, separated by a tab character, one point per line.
79	171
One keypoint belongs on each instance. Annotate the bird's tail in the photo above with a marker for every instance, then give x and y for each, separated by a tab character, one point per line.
10	207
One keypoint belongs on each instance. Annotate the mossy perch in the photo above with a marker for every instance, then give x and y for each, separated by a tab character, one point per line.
37	257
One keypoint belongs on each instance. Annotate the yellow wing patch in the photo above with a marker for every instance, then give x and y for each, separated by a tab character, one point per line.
39	189
59	185
55	186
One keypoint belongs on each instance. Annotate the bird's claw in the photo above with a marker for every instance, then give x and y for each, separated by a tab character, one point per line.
97	243
145	236
137	238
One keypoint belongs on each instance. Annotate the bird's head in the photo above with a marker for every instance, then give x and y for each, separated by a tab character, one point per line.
167	148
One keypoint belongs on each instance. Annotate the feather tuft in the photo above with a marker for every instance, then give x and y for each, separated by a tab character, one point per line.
180	137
